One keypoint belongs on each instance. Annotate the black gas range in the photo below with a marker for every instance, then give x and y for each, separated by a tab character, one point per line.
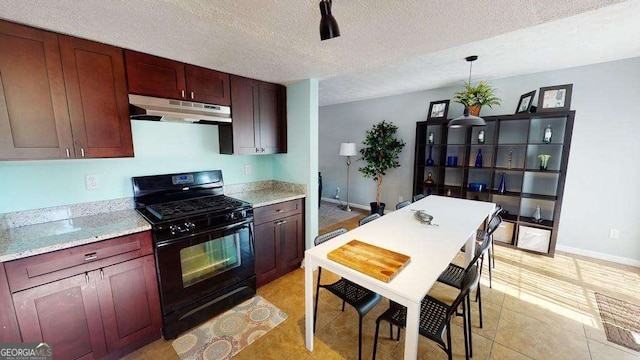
203	242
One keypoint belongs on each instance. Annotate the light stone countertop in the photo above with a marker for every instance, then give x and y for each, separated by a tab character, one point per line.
21	242
266	197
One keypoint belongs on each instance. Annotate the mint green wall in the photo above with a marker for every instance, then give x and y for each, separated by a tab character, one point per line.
300	163
159	148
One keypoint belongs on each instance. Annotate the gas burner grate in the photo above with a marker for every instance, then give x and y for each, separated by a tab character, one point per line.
173	209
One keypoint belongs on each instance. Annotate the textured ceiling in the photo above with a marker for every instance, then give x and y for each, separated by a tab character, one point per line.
386	47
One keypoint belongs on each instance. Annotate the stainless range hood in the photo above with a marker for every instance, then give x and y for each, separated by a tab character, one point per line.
157	109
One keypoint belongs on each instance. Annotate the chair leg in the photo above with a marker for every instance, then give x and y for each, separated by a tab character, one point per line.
479	304
360	338
464	326
449	350
493	252
391	331
375	339
469	326
489	273
398	338
343	302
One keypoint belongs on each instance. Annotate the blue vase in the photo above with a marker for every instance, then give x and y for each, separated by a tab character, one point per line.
430	161
479	159
503	184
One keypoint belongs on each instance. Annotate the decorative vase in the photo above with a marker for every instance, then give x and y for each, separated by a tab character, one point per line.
503	183
475	110
429	183
544	161
430	161
548	133
481	137
479	159
430	138
537	215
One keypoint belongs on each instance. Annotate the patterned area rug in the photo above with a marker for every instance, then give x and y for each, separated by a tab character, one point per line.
225	335
330	214
621	321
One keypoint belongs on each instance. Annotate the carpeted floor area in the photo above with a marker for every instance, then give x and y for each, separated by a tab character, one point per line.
331	213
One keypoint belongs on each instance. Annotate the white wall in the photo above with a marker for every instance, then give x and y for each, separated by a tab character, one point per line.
602	190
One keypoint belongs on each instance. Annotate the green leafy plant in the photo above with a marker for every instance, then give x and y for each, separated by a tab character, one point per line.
479	95
381	152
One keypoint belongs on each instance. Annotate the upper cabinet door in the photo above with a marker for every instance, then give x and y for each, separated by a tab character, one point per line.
155	76
272	124
34	120
97	94
245	114
207	86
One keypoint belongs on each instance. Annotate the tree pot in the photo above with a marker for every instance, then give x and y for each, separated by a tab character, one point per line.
375	208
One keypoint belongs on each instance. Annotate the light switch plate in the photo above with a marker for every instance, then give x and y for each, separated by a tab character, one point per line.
91	182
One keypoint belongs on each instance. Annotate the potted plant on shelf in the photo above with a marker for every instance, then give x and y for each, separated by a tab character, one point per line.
381	152
475	97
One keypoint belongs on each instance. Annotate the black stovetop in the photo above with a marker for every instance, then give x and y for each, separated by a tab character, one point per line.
182	208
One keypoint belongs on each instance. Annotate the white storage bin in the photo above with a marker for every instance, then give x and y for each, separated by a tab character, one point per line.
504	232
534	239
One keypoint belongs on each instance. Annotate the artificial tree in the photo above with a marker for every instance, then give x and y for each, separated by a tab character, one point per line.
380	153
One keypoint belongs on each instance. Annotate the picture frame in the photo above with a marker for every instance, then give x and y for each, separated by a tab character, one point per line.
526	100
555	98
438	110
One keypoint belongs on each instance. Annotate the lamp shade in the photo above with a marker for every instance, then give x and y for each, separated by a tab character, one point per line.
466	120
348	149
328	24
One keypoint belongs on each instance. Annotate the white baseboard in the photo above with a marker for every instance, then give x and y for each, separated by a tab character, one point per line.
357	206
599	255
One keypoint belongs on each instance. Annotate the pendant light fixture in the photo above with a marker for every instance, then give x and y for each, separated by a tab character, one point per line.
467	120
328	25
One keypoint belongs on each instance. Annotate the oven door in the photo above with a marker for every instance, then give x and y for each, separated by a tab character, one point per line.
195	267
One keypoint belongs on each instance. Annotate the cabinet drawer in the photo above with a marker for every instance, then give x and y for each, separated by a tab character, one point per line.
41	269
277	211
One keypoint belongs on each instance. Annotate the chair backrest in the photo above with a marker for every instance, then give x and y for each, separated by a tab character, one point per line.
494	223
471	277
402	204
368	218
327	236
418	197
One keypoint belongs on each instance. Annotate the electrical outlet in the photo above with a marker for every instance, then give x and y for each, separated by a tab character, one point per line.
247	169
400	199
614	234
91	181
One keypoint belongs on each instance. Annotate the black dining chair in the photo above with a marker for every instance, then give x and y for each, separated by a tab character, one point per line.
481	235
435	317
368	218
402	204
353	294
454	276
418	197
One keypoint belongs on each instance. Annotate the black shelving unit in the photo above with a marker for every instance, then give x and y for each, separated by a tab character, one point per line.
517	138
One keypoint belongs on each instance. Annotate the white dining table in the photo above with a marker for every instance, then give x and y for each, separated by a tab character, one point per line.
430	247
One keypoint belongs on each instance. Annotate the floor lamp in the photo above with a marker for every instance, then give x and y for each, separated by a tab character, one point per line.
348	150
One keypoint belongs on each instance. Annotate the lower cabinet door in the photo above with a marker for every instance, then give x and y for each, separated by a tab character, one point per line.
64	314
128	295
266	248
291	245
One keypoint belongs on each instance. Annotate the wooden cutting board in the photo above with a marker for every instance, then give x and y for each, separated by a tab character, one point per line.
372	260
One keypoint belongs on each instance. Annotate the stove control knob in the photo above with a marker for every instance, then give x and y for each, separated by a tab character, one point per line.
189	226
175	229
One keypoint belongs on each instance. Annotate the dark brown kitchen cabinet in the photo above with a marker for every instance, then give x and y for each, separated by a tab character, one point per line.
279	239
155	76
89	301
34	118
61	97
97	96
9	332
259	119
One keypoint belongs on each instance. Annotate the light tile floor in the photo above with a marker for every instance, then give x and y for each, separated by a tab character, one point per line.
537	308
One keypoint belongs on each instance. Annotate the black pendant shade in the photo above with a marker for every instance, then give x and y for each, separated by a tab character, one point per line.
467	120
328	25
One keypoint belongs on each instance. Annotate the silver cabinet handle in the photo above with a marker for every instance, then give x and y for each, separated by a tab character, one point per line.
90	256
86	277
68	152
257	150
279	210
82	151
192	97
262	149
101	274
182	93
283	222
